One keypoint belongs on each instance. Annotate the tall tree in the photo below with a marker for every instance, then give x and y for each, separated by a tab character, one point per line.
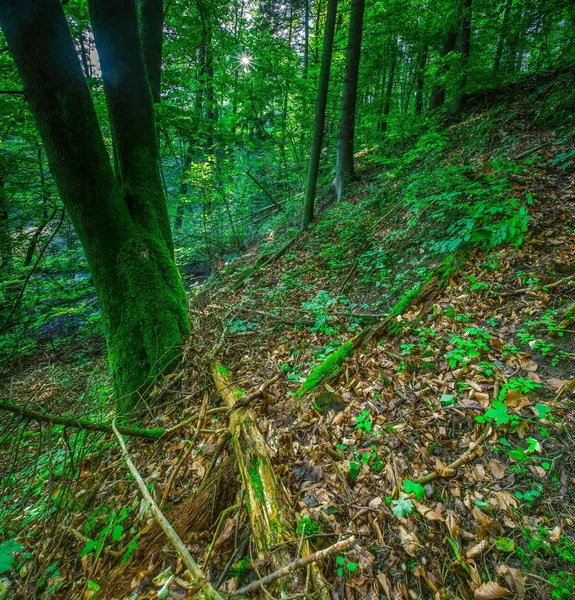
449	41
345	142
502	36
123	227
319	122
464	51
389	87
420	80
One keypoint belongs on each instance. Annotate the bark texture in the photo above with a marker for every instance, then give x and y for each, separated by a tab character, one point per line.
319	123
123	228
344	164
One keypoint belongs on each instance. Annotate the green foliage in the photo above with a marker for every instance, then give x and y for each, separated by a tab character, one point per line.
411	487
7	551
307	526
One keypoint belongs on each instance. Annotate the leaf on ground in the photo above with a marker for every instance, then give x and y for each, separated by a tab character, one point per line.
490	591
409	541
426	512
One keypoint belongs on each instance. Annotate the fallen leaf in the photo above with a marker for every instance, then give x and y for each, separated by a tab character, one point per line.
409	541
426	512
478	549
497	469
514	579
491	590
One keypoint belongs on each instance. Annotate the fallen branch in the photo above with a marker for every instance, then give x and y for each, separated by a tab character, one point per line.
547	287
149	434
197	574
461	460
300	563
249	398
532	150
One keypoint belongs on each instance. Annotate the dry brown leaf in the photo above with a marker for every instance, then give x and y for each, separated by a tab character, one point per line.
478	549
514	579
409	541
503	500
452	526
555	534
497	469
490	591
384	583
426	512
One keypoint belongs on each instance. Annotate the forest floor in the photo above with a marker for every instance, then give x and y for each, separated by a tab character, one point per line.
479	372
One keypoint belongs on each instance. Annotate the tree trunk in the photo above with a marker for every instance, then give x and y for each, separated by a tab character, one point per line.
124	232
464	50
389	88
344	164
420	81
151	24
438	91
502	36
6	262
183	191
319	123
306	39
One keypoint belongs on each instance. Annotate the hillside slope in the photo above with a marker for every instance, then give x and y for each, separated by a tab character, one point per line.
444	444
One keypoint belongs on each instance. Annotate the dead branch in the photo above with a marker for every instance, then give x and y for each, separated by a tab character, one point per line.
461	460
249	398
149	434
548	287
300	563
197	574
532	150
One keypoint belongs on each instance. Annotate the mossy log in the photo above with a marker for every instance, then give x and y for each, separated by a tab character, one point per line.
330	368
267	500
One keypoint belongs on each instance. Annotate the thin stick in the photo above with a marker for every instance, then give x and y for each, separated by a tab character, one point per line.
548	287
221	519
249	398
184	455
191	419
197	574
532	150
463	458
149	434
295	565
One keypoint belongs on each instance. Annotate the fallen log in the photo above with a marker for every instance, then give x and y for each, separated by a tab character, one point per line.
267	501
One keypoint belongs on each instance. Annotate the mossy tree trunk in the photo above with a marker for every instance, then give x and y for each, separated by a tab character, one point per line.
123	225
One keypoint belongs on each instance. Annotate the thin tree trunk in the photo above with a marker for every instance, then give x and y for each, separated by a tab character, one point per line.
124	232
151	24
319	123
438	90
420	81
345	143
389	88
502	36
306	38
183	191
464	51
5	237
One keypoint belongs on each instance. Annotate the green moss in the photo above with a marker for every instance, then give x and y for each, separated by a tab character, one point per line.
223	371
327	369
146	318
256	480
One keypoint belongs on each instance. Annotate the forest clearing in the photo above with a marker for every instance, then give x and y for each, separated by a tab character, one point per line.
287	299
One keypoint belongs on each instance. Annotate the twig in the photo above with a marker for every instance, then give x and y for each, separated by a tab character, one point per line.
249	398
221	519
295	565
547	287
463	458
149	434
191	419
197	574
185	454
532	150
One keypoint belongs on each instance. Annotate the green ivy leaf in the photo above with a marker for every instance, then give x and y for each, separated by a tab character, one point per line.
505	544
410	487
